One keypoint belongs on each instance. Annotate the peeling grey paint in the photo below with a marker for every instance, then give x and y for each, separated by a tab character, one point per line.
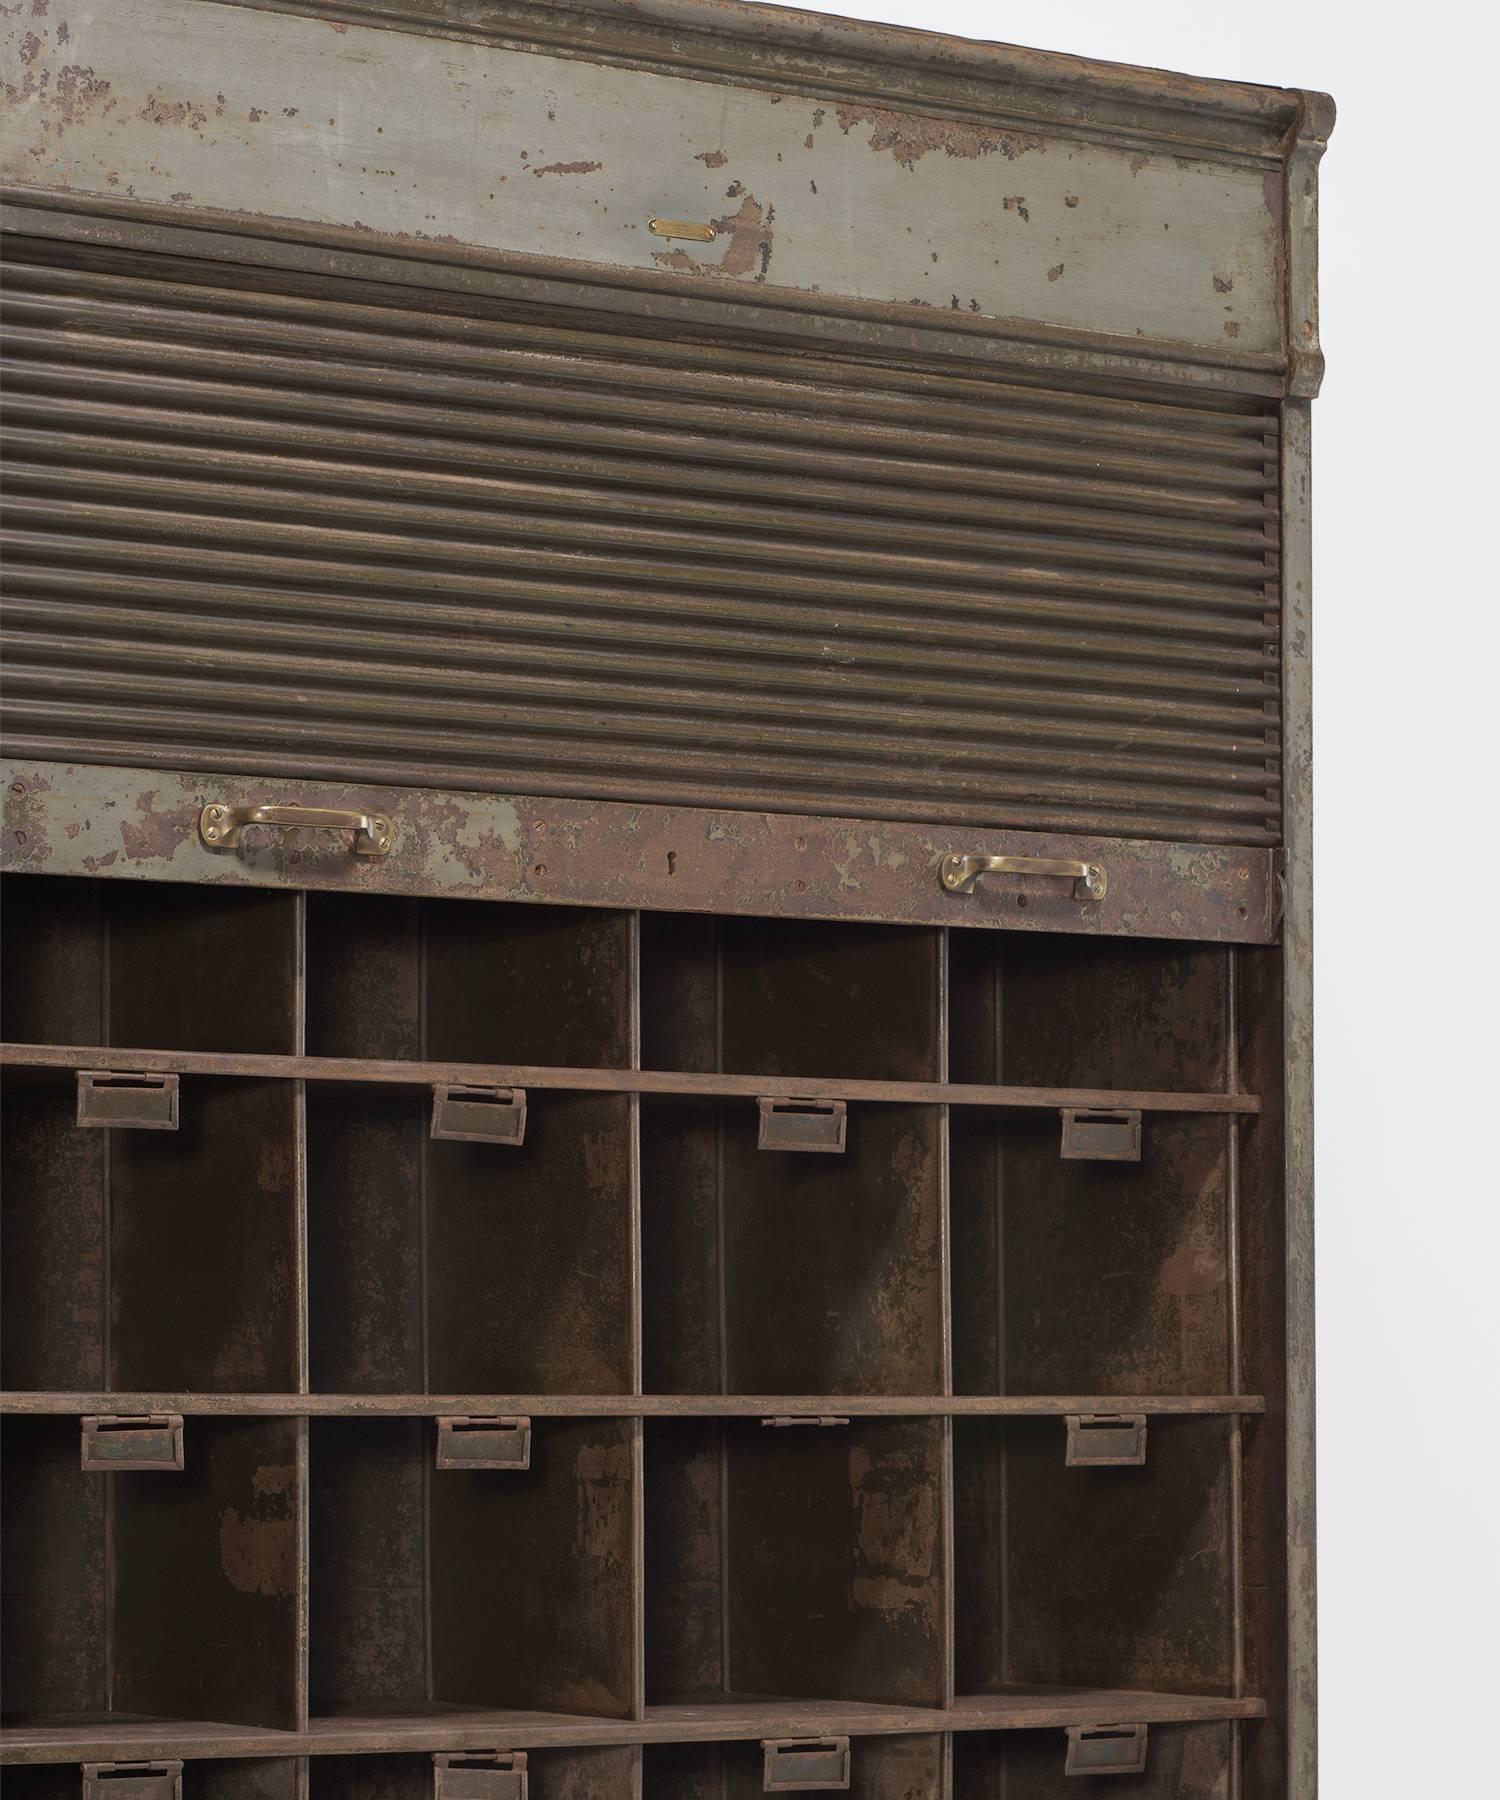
269	114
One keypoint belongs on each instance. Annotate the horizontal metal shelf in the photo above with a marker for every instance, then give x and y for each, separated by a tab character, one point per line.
630	1406
619	1081
65	1740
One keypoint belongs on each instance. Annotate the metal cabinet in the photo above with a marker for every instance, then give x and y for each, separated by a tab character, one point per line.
656	969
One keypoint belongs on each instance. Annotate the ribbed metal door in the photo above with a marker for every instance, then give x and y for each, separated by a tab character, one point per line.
297	524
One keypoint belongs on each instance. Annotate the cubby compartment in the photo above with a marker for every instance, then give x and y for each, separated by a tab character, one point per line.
150	965
493	1590
1090	1278
1094	1577
1182	1762
161	1594
880	1768
151	1260
467	981
456	1267
790	997
800	1561
790	1271
203	1778
1049	1010
599	1772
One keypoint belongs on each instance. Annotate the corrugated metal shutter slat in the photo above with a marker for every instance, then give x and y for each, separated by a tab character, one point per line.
292	526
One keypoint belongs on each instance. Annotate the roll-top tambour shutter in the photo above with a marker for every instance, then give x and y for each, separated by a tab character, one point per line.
296	524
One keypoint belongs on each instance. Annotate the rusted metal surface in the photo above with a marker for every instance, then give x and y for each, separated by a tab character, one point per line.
501	1775
712	1722
1114	1440
622	1081
1100	1136
813	195
133	1780
1071	631
107	1100
1297	1170
115	1442
777	589
802	1124
478	1115
384	1559
472	1441
795	1765
1183	1762
142	824
177	1589
637	1406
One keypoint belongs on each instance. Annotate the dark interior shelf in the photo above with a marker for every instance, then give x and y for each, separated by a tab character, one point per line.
799	1422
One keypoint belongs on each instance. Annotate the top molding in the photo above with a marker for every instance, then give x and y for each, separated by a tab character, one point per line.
819	52
1162	226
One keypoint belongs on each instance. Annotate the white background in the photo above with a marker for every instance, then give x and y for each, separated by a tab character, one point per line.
1407	706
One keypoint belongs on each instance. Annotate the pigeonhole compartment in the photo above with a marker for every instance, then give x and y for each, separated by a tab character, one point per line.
151	1591
801	1560
492	1574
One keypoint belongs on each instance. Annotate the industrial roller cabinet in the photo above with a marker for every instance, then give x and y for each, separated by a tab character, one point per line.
656	1014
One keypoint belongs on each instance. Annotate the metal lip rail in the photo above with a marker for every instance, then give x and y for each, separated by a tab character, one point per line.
1018	1709
633	1406
619	1081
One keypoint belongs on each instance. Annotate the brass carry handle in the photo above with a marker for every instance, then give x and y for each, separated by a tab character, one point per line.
959	873
221	826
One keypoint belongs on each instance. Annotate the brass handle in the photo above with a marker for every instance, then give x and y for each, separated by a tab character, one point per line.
682	228
221	825
958	873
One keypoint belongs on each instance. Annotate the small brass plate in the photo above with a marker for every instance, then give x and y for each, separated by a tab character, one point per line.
682	228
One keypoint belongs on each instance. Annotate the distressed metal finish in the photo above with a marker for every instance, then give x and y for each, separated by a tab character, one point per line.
802	1124
1107	1750
143	824
813	195
480	1115
959	873
1106	1440
221	827
470	1442
108	1100
133	1781
795	1765
743	615
1050	608
647	1405
114	1442
503	1775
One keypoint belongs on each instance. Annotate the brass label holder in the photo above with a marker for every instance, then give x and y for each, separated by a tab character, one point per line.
690	230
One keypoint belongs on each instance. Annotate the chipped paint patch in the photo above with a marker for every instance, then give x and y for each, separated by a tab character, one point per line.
909	137
749	235
567	168
157	111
